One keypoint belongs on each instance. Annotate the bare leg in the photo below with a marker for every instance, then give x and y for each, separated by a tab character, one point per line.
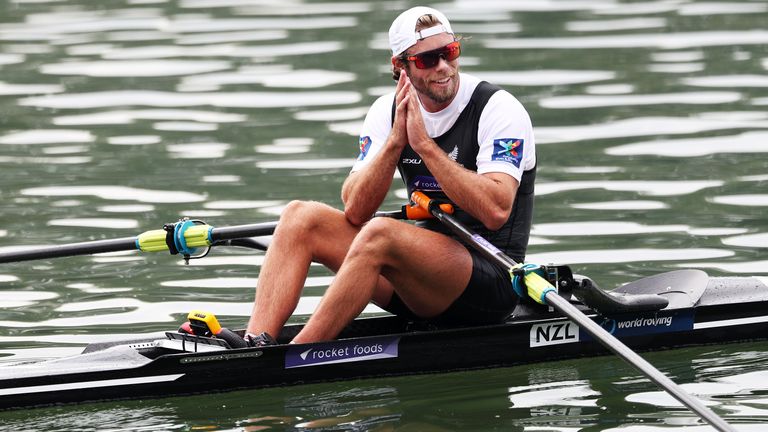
308	231
428	271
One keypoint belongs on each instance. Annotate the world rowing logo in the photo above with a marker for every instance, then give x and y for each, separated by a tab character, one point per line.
508	150
365	145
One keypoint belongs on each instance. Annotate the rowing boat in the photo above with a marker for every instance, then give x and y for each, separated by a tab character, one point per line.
668	310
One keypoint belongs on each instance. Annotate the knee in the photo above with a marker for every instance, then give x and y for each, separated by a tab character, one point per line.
376	236
295	209
301	215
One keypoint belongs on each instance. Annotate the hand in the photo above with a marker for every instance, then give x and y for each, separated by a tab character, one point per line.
416	131
399	134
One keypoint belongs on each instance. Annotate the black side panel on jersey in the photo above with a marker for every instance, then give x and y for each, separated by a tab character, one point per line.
460	143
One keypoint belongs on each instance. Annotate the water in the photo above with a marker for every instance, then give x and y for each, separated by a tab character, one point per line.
119	116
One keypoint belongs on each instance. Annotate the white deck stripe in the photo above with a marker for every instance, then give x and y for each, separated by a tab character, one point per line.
730	322
89	384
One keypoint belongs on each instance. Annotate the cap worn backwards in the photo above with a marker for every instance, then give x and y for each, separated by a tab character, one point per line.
403	34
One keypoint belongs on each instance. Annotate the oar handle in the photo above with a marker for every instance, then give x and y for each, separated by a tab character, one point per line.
425	203
415	211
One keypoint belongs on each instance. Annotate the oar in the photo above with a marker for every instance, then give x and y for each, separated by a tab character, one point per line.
543	292
182	237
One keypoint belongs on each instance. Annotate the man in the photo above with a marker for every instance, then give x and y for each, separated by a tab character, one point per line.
449	135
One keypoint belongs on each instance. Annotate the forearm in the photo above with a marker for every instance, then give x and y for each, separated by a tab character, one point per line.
364	191
488	198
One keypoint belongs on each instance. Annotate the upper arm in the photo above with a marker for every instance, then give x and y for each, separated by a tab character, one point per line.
375	131
505	137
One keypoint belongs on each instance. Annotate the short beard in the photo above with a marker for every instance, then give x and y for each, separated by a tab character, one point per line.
438	98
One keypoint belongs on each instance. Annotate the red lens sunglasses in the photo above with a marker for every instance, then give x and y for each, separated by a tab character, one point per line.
430	59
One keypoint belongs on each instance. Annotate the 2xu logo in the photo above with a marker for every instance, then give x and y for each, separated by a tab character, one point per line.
554	333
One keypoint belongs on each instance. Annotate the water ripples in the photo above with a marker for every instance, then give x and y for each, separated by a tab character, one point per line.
117	193
680	40
649	117
170	99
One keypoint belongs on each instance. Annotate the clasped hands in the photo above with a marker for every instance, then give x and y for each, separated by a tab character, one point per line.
408	126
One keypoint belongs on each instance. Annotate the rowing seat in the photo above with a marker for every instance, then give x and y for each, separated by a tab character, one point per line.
673	290
615	303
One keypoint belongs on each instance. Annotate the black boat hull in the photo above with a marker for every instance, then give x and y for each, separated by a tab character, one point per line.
729	310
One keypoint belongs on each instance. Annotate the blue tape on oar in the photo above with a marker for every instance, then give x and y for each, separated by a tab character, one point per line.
180	240
530	280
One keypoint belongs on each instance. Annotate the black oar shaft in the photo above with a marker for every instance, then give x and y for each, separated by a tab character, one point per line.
564	307
240	231
126	244
73	249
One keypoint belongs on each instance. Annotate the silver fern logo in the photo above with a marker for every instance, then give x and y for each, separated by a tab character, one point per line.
454	154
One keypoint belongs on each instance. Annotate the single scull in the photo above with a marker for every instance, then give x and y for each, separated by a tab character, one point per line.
669	310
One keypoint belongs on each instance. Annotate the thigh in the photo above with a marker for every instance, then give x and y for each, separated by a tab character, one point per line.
427	270
488	298
326	233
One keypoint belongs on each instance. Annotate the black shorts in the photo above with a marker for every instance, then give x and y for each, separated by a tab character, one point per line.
487	299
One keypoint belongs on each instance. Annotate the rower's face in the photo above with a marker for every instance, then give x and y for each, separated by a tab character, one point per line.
437	85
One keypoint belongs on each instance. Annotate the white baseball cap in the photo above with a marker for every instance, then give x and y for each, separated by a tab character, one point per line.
403	34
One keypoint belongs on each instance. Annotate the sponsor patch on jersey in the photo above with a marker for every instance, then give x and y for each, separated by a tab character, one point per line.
365	145
508	150
425	184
